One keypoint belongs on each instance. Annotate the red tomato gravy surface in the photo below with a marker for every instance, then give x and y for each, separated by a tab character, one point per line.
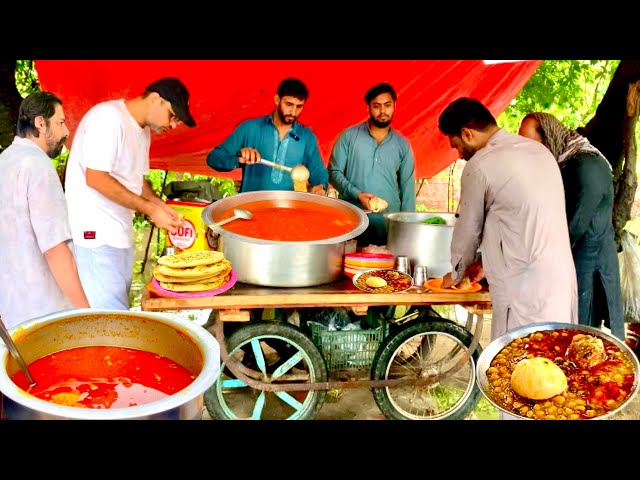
291	221
104	377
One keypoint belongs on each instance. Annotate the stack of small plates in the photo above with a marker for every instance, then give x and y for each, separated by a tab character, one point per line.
355	263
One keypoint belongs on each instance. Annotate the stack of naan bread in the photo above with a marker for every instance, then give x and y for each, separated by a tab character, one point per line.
195	271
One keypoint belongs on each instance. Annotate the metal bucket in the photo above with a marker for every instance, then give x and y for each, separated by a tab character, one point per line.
424	244
182	341
283	264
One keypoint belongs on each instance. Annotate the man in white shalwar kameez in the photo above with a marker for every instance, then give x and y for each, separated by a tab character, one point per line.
512	207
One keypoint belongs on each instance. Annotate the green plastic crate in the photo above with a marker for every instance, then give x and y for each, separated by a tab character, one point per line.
344	349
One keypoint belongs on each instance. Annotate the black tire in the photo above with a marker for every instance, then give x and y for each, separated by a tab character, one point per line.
418	348
229	398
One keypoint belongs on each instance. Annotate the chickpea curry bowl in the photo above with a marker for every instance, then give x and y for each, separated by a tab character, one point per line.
558	371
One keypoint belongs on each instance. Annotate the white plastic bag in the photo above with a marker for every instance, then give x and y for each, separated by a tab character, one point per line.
629	260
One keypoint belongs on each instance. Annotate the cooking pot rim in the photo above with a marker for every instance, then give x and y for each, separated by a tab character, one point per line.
363	220
417	217
206	342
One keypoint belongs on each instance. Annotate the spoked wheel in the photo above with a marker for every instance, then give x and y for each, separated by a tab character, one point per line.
435	349
281	353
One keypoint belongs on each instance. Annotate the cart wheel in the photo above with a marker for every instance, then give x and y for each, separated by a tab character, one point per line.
282	354
421	349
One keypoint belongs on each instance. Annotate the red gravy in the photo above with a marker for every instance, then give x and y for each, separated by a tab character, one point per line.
104	377
291	221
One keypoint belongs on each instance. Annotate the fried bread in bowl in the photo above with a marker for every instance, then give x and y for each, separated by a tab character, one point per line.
596	389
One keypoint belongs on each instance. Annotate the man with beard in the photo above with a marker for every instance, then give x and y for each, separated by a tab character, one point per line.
512	207
370	160
278	137
105	185
38	272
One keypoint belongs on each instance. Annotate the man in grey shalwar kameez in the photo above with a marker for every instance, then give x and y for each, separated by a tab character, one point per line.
512	207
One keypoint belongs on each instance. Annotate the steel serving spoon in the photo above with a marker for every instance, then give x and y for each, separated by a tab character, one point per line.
237	213
13	349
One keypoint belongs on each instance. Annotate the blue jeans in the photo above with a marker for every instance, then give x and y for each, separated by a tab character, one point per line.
106	273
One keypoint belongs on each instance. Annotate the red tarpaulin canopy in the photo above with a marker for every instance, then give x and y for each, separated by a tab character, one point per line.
226	92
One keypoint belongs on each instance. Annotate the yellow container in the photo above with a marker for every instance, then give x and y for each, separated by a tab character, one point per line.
194	233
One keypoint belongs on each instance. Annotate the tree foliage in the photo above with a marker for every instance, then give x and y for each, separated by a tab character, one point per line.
568	89
592	97
26	77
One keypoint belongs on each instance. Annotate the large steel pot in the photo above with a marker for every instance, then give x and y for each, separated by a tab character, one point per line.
186	343
488	354
424	244
283	264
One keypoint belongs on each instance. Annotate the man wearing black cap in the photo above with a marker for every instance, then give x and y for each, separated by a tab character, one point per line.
105	185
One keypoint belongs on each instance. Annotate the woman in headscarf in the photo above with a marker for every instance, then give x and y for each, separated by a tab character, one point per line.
588	184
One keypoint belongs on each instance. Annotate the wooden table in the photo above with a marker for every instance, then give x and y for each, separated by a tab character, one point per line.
234	304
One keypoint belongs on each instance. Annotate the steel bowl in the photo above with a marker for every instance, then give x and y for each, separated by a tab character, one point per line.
487	355
173	337
274	263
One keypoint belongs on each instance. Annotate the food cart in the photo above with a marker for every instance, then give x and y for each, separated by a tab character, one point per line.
423	368
417	364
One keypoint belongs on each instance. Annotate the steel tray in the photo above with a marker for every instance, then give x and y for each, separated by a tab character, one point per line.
487	355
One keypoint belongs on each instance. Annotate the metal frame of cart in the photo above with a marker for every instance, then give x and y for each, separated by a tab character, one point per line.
424	369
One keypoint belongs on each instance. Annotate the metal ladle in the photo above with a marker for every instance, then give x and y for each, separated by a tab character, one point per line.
237	213
299	173
13	349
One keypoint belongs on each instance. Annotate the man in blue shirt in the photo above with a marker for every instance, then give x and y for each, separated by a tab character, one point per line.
371	159
277	137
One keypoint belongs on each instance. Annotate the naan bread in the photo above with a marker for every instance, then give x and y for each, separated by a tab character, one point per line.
377	204
538	378
376	282
194	272
195	287
465	284
206	278
191	259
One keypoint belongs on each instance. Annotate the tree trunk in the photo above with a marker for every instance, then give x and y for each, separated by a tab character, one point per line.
10	100
626	178
613	131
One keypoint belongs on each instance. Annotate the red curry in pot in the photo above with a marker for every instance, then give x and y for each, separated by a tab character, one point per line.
291	221
104	377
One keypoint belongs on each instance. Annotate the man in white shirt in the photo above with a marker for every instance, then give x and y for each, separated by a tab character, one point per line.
105	185
38	273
